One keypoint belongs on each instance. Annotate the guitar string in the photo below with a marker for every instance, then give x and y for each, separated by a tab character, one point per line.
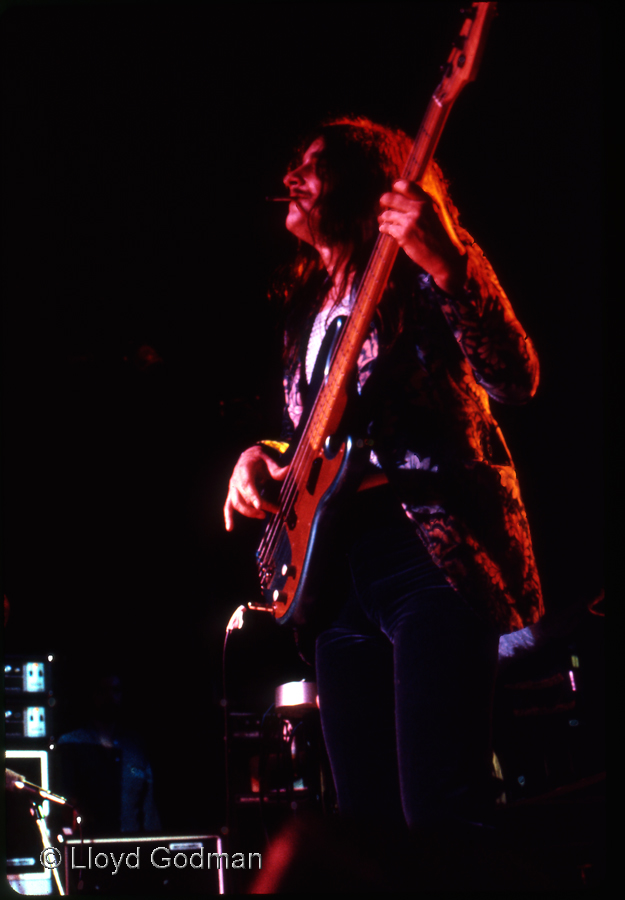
300	465
305	456
419	157
380	264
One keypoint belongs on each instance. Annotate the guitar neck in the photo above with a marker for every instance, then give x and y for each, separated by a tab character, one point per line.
460	69
332	398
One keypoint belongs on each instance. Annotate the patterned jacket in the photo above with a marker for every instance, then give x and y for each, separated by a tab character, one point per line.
424	403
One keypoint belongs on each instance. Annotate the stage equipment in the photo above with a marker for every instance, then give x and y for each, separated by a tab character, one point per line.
26	812
295	698
29	700
18	783
278	762
278	759
275	764
548	722
148	865
278	768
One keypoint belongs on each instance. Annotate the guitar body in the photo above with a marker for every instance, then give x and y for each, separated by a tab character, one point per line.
293	584
294	575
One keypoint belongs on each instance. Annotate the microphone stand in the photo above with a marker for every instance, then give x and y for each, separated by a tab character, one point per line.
40	819
16	782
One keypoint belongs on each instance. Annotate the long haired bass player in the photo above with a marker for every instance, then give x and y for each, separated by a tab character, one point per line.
432	560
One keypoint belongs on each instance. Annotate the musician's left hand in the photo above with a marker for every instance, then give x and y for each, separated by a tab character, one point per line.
410	217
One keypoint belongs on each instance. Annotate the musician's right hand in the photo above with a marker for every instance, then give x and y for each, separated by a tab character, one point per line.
253	469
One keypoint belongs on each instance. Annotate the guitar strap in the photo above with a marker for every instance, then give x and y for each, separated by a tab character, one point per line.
303	384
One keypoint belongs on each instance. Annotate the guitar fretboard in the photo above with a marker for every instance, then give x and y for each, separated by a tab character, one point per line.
331	400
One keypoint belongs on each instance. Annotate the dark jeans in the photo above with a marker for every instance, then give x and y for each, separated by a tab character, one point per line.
405	676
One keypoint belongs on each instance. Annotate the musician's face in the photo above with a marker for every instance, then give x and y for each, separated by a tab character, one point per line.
305	184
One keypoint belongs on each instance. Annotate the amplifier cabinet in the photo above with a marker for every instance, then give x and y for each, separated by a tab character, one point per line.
146	864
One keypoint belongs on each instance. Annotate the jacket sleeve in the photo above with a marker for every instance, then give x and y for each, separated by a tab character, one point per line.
481	317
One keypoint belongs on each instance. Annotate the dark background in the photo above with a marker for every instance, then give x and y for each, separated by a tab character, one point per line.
138	143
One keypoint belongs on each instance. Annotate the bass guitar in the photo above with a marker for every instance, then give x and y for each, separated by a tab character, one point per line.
324	461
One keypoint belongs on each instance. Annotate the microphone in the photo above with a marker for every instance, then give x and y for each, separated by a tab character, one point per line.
16	782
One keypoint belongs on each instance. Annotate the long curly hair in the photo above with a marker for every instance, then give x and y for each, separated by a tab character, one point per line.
359	162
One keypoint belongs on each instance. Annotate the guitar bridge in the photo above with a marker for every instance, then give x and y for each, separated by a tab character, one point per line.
266	573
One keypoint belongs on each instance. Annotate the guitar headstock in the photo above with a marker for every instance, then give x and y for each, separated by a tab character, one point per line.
464	60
